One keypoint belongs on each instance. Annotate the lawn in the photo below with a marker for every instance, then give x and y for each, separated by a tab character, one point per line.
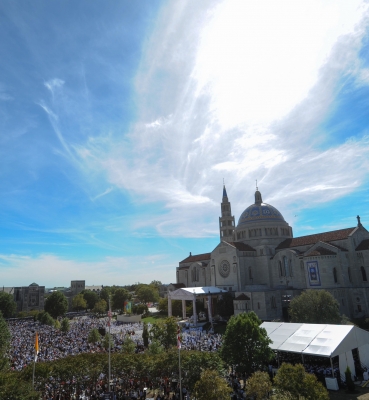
154	318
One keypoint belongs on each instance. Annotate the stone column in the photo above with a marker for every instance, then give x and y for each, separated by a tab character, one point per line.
169	306
194	310
210	312
184	309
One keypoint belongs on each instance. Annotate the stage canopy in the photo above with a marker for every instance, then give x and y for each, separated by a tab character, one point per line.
189	293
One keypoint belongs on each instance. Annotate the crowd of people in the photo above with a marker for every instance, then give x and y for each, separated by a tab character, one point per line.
55	344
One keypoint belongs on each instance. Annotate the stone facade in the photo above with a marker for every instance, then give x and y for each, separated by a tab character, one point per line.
261	262
29	298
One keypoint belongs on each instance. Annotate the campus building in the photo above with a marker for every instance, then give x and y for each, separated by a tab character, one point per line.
29	298
264	266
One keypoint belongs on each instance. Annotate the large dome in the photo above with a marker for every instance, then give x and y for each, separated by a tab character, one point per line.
260	212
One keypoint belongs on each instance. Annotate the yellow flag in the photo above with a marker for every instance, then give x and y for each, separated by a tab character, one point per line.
36	346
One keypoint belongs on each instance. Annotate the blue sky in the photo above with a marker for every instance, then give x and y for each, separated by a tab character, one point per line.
119	121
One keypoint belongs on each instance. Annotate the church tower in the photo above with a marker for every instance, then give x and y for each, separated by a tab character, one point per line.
226	221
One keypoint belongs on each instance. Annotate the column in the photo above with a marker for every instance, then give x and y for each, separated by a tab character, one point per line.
210	312
169	306
184	309
194	310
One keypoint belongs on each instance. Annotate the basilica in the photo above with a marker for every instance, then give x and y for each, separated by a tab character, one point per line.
264	266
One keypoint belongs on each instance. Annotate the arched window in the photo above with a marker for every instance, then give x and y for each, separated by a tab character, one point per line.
285	266
363	274
280	268
335	275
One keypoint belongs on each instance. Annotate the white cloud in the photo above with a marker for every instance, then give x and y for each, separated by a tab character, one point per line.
109	271
243	88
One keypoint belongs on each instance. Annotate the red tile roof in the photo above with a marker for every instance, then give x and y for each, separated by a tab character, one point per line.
178	285
241	246
318	237
364	245
242	297
198	257
321	251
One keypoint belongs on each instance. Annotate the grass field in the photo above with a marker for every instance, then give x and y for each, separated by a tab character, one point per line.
153	318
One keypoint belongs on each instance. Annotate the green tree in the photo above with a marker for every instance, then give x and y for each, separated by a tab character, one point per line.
147	294
155	348
105	292
119	297
315	307
211	386
100	308
56	304
259	385
245	344
128	346
57	324
13	387
7	304
94	336
4	341
176	307
79	303
65	325
47	319
165	332
108	338
145	334
91	298
140	309
294	380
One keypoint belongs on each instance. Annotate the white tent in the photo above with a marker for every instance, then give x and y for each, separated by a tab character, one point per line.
321	340
190	294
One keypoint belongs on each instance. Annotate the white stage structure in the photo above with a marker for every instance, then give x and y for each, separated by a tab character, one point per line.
191	294
321	340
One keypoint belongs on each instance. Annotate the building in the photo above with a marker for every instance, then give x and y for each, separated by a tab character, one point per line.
29	298
264	266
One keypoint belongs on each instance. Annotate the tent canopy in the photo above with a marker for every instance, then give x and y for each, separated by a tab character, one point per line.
315	339
189	293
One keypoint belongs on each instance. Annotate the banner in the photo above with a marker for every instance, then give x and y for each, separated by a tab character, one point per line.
128	307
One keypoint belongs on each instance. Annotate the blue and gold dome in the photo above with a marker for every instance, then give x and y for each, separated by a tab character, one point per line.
260	212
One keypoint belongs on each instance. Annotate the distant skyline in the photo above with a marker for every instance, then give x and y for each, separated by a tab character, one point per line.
119	121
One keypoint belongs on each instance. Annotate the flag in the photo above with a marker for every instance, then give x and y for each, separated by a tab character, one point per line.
36	346
179	337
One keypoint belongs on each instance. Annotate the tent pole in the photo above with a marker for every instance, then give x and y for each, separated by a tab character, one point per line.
332	367
302	356
278	358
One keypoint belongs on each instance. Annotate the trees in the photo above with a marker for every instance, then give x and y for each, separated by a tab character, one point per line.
91	298
119	297
245	344
100	308
165	332
129	346
65	325
259	385
94	336
7	305
211	386
4	341
140	309
147	293
79	303
176	307
294	380
47	319
315	307
145	334
56	304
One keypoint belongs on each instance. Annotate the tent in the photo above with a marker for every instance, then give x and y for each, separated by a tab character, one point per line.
322	340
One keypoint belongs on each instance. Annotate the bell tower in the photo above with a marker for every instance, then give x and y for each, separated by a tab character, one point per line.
226	221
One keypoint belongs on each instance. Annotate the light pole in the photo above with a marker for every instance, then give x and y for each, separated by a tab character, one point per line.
109	323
